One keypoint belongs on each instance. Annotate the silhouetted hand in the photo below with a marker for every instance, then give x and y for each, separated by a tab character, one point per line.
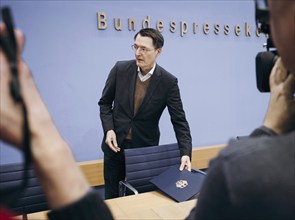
280	116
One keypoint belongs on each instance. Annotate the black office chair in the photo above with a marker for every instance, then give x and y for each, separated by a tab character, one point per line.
32	199
142	164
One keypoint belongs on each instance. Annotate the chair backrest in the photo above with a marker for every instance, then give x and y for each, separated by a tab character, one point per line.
144	163
33	198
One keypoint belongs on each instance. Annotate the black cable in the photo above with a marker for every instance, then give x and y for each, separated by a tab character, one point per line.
9	47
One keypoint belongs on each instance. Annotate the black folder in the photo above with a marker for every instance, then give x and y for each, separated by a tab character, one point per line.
179	185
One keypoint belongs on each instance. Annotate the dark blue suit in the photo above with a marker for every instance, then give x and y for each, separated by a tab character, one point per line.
117	111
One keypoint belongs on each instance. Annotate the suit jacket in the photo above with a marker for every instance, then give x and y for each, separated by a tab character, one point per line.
117	112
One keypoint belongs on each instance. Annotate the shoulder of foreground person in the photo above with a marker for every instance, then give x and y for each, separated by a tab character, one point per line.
260	175
252	178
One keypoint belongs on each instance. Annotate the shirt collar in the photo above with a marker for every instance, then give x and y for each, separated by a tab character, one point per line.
146	76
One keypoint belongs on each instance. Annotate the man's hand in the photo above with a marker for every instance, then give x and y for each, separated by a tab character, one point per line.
280	116
185	163
111	141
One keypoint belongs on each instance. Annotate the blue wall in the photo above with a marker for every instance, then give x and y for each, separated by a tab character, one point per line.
70	59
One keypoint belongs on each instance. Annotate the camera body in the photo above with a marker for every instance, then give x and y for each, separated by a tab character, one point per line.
264	64
264	60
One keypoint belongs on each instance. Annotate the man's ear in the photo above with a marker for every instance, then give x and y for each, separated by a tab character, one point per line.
159	51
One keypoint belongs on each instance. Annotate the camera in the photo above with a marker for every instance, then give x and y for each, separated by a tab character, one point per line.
264	60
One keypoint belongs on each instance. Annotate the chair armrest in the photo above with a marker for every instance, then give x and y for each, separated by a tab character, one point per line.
194	170
122	188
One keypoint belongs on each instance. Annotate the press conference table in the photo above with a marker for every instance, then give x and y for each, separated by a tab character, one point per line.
150	205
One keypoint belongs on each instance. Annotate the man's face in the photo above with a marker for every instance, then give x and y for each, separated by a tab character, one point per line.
146	54
282	21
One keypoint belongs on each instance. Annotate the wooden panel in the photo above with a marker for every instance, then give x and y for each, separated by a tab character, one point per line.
93	170
201	156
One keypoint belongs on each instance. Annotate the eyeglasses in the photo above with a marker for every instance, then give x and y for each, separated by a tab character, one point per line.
141	49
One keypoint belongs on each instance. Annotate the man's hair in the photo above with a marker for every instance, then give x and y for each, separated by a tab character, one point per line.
157	37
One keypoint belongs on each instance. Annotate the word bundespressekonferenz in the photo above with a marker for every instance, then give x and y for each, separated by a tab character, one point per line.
182	27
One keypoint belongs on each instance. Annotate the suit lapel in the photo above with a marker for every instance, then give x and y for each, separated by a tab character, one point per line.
132	80
154	82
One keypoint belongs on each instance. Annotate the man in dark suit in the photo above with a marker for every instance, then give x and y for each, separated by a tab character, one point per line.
132	102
